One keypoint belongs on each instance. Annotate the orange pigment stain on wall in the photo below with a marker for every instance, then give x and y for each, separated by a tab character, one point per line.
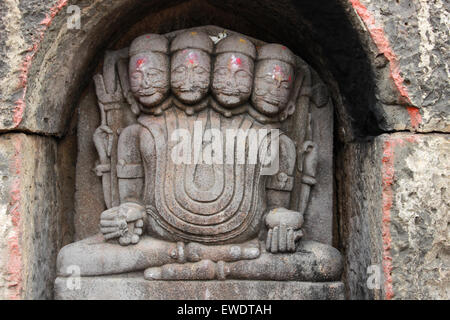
20	104
388	178
378	36
14	265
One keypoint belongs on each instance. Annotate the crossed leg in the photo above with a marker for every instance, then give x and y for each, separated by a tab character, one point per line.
313	261
94	256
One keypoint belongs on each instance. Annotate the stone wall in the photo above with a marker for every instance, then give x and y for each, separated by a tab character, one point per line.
384	62
393	203
32	230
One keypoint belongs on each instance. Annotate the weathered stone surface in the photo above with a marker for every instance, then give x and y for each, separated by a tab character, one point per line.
88	204
397	217
359	187
417	32
32	231
420	219
134	287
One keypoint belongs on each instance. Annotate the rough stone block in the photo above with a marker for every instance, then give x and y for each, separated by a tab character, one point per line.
31	227
394	199
134	287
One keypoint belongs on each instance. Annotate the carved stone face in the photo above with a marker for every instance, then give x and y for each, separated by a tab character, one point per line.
232	79
190	77
272	87
149	78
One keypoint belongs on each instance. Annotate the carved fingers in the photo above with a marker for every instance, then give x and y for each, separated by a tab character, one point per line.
111	225
282	239
124	223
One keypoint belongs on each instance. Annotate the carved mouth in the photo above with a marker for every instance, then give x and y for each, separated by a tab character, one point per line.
229	93
194	89
147	93
271	101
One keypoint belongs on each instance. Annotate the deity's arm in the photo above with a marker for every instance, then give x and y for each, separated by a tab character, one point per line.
283	225
130	171
280	185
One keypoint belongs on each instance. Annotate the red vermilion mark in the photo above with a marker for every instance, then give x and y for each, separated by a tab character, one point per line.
14	265
139	63
378	36
277	73
388	176
26	65
234	63
192	59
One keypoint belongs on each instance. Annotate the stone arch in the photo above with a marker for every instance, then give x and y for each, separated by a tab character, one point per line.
326	35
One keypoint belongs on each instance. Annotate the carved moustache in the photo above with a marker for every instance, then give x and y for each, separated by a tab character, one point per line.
181	86
235	91
266	96
148	91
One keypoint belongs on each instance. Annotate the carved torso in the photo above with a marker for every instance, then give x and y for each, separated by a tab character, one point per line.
197	158
193	201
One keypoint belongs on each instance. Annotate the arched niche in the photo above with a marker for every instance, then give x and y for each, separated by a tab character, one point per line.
326	34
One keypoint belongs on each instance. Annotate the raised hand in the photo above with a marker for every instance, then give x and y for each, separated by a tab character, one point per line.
124	222
284	230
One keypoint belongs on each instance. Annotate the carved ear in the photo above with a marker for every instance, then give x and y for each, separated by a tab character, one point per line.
291	108
288	111
292	104
133	104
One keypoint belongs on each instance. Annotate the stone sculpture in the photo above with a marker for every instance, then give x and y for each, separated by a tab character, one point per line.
187	200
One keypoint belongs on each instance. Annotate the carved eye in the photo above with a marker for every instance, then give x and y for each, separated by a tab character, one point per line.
268	79
136	79
199	70
180	70
242	75
136	76
153	73
221	72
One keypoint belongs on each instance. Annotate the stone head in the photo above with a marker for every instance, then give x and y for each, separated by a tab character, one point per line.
191	66
274	79
233	71
149	69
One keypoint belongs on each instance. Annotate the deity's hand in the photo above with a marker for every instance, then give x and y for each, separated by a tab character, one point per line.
284	230
103	140
124	222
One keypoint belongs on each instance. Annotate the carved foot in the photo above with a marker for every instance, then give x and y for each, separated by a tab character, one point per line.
203	270
313	262
247	251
